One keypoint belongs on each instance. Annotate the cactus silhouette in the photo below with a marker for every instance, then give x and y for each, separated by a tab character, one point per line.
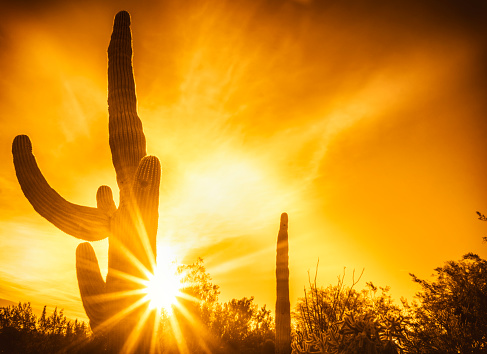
115	306
283	307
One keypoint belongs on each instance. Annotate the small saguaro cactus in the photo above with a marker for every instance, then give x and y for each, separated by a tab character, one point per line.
115	306
283	306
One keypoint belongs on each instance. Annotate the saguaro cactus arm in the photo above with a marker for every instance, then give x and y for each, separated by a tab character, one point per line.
146	195
127	140
104	200
91	285
90	224
135	224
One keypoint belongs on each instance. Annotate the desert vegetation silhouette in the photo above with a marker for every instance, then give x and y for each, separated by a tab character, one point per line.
448	316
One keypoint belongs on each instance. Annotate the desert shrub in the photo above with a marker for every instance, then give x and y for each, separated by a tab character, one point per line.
340	319
22	332
450	315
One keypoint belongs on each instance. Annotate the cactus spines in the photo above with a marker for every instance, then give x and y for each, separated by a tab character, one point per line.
283	307
115	306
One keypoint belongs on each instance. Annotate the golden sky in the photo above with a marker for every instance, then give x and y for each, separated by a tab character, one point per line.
365	121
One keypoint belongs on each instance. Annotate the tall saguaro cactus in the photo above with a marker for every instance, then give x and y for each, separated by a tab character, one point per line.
283	306
115	306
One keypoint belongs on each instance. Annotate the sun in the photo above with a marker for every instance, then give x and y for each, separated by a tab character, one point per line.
163	287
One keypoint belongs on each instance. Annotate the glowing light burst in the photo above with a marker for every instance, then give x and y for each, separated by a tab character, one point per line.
163	287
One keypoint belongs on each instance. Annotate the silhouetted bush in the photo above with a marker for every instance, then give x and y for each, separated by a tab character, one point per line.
22	332
340	319
451	313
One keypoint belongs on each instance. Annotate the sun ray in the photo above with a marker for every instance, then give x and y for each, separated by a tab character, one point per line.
116	295
131	257
178	335
108	323
136	331
144	237
155	332
195	326
242	261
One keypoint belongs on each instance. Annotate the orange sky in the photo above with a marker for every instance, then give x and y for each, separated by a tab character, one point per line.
365	122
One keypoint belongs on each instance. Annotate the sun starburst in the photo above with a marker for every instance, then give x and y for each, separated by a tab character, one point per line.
163	287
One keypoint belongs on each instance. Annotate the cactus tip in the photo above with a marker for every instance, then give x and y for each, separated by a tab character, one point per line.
122	16
151	160
21	144
83	249
284	218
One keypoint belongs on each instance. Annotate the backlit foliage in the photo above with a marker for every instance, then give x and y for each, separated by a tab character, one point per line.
340	319
451	312
21	331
